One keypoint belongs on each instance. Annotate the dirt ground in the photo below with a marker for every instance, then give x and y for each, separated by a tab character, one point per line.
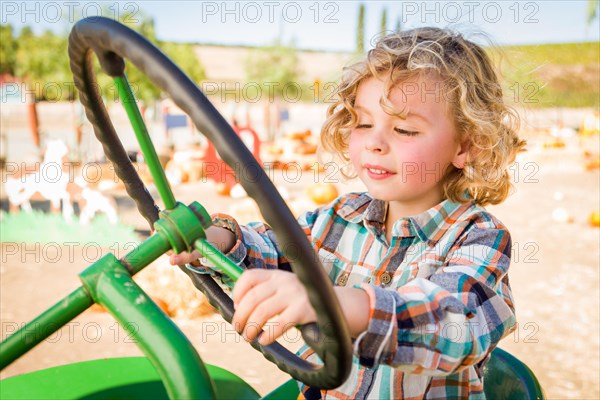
554	277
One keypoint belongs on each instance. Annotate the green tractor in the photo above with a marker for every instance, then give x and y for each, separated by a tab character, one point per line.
171	367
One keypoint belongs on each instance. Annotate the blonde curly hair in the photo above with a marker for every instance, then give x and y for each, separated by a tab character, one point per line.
472	90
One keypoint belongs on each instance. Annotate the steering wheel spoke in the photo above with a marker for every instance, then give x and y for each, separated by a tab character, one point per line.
146	146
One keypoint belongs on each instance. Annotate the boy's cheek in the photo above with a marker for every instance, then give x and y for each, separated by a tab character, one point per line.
420	172
354	151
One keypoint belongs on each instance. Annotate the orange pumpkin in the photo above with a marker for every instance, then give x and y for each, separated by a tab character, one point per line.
322	193
223	189
299	135
277	164
159	302
97	308
314	166
162	305
275	149
592	164
176	172
305	148
595	219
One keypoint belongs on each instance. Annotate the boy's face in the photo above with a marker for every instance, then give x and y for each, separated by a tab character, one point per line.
403	161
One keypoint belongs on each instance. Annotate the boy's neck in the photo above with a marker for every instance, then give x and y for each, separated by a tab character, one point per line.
397	210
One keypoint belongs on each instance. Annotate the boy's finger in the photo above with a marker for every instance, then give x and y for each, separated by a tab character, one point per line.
255	308
281	324
261	314
184	257
247	281
181	258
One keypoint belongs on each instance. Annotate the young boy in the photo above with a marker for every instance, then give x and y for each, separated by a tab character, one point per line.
419	266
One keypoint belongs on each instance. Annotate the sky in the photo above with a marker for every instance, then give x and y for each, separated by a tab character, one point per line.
319	25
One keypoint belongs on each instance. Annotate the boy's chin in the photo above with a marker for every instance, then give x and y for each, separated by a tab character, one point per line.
404	198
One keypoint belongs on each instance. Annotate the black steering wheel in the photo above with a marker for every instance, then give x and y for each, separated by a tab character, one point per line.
113	42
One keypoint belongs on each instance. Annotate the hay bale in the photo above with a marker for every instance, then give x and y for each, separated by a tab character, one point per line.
168	283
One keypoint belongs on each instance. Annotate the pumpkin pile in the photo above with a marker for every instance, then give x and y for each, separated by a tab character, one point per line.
171	290
185	165
591	160
295	143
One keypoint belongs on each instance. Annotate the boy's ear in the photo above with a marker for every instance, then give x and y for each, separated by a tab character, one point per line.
460	157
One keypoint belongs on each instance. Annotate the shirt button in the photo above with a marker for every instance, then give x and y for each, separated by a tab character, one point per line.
386	278
342	280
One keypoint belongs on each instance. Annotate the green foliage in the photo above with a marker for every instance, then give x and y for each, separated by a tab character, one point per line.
8	50
592	10
274	68
398	24
360	30
42	62
183	55
142	88
561	53
552	75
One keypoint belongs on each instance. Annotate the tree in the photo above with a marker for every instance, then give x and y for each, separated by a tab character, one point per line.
383	23
592	10
142	88
274	68
182	55
42	62
360	30
8	50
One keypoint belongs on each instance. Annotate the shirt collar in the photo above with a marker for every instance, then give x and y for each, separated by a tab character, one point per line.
430	225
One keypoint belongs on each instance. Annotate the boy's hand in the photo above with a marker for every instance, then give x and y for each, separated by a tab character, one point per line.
221	238
269	295
184	257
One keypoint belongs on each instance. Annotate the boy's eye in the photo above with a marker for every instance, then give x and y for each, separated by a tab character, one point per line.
405	132
363	126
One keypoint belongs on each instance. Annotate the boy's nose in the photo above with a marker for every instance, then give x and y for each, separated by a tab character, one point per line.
376	142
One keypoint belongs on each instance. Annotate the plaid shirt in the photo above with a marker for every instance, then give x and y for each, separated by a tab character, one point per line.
439	295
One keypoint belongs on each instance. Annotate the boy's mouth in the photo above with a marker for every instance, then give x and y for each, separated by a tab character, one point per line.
377	172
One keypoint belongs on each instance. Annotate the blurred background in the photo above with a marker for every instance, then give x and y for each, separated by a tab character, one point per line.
271	69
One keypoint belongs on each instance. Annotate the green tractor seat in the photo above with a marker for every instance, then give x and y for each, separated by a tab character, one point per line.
127	378
506	377
134	378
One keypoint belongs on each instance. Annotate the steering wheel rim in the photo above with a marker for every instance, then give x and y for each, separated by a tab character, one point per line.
112	42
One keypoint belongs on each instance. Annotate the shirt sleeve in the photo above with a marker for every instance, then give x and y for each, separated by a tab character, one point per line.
449	321
236	254
256	245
